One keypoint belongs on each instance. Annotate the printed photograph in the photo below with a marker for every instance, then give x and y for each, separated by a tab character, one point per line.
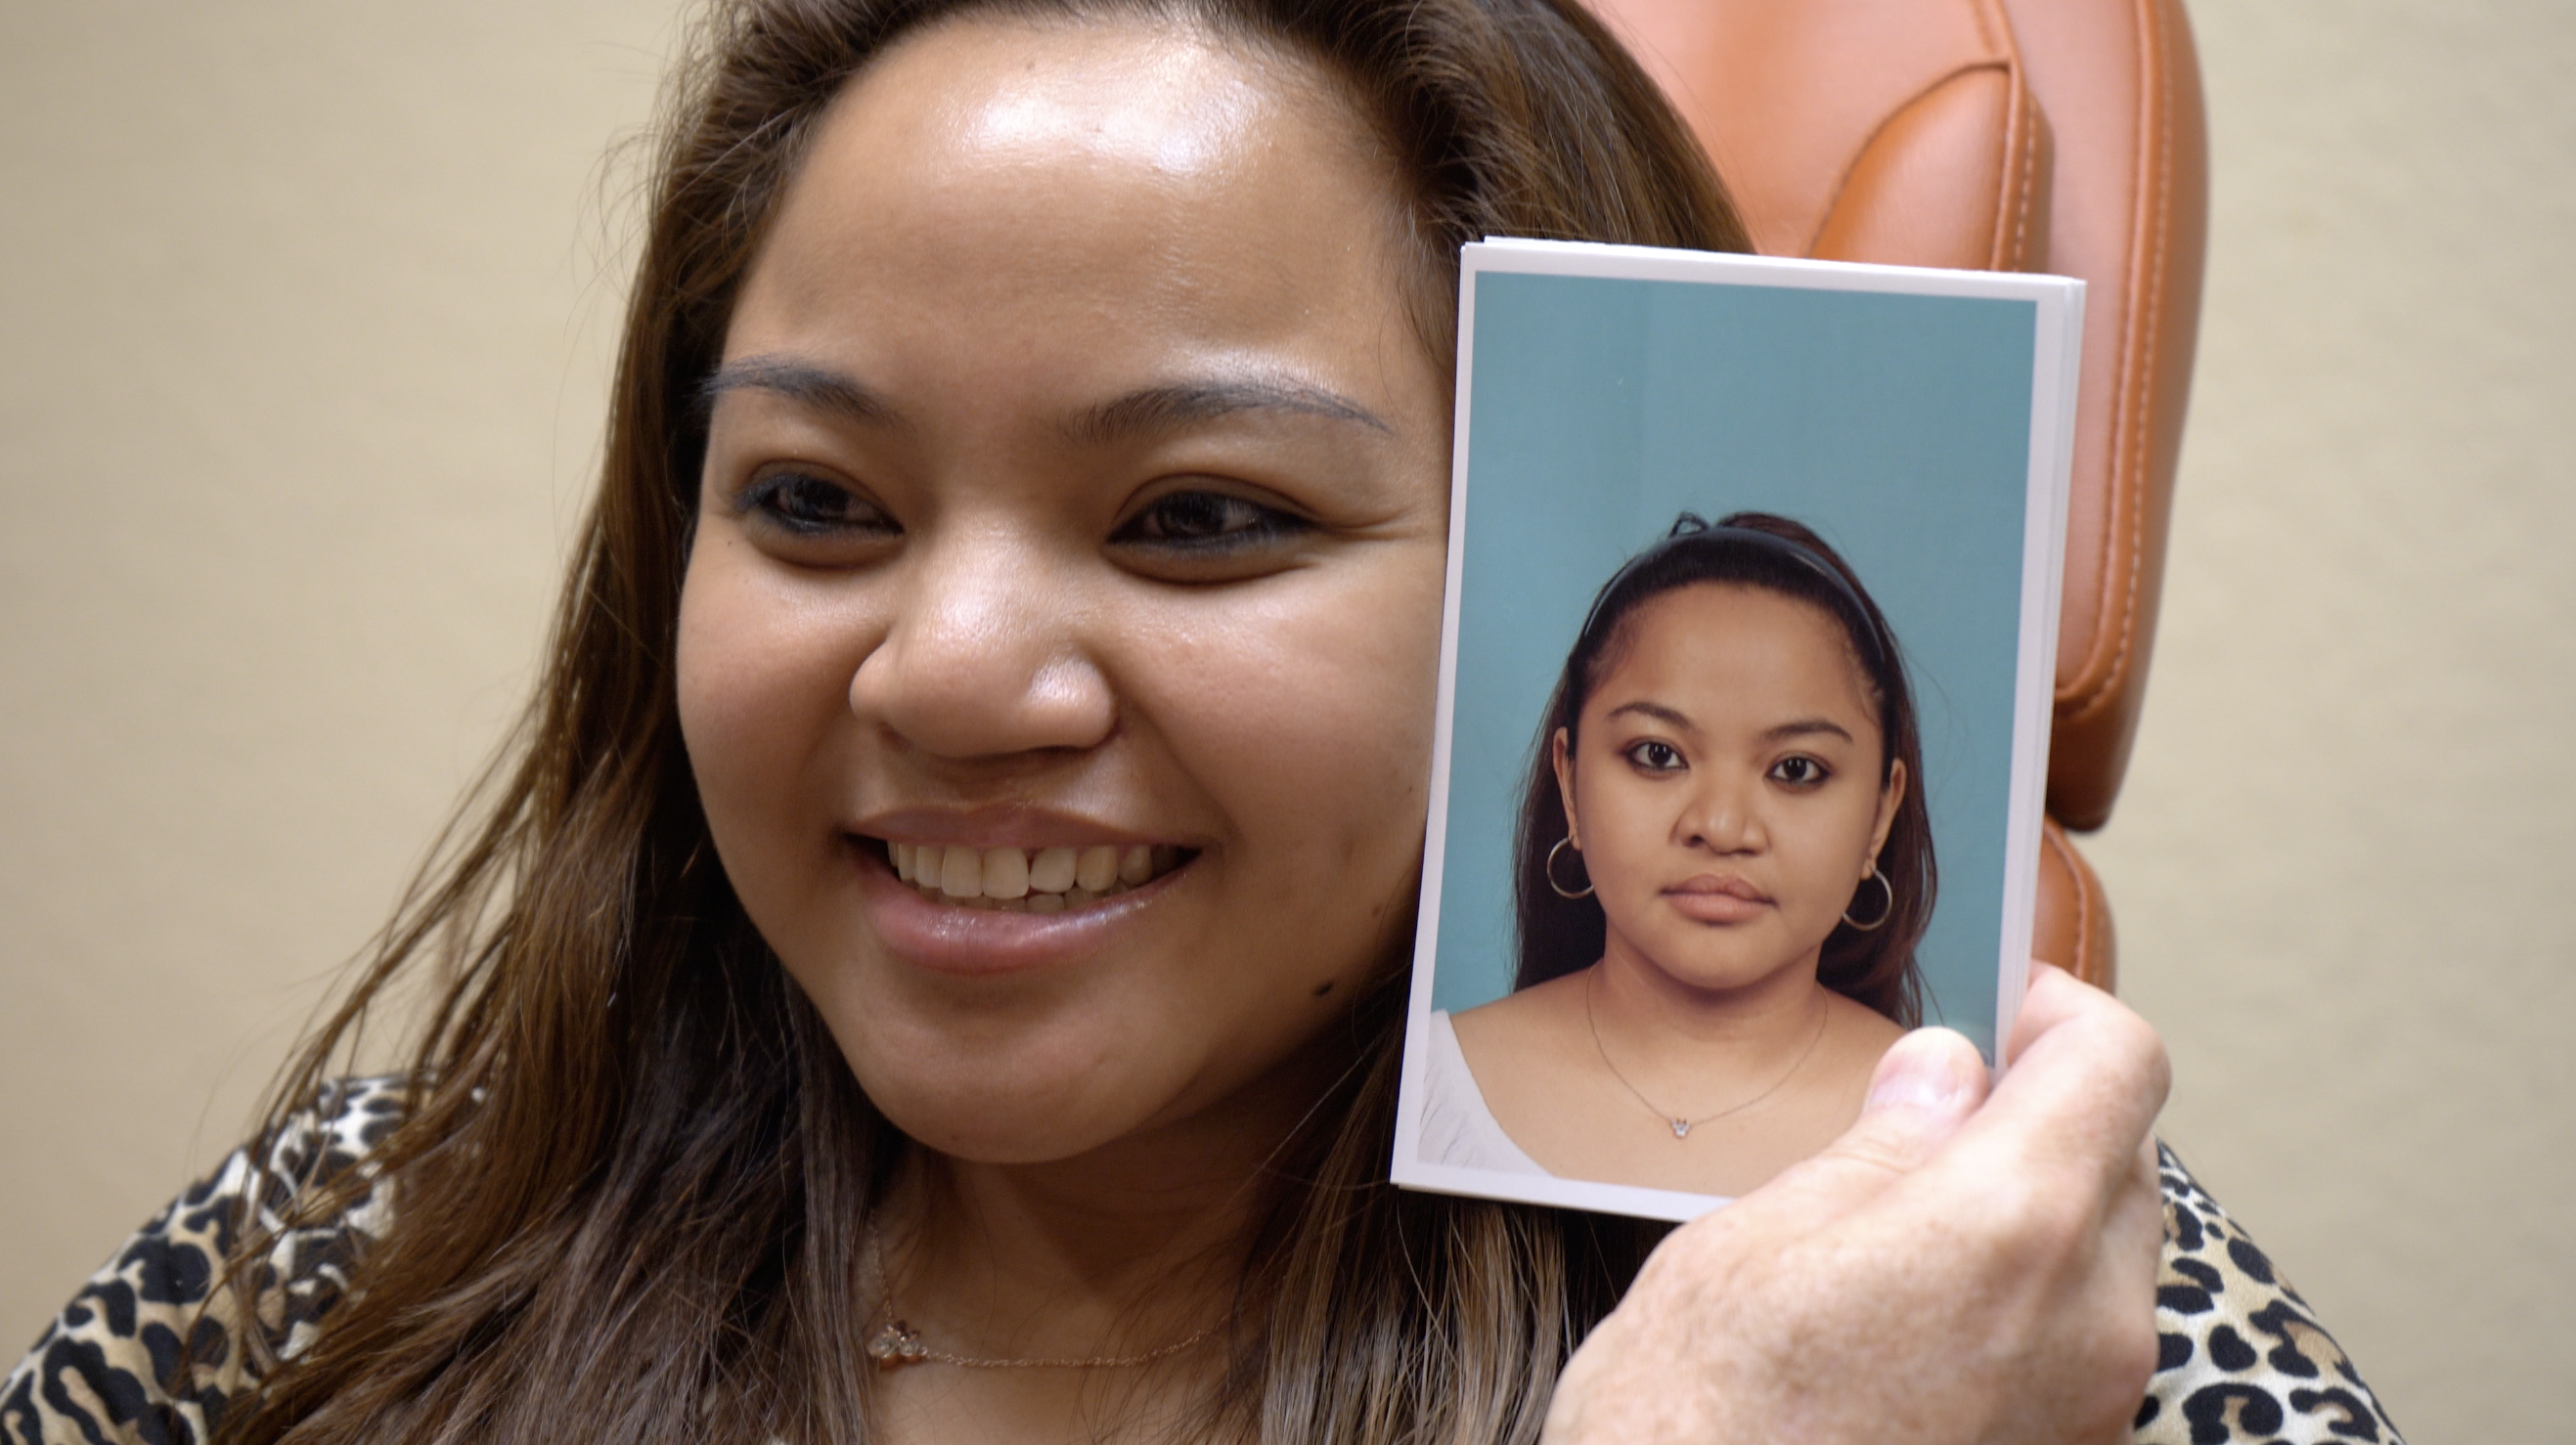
1744	709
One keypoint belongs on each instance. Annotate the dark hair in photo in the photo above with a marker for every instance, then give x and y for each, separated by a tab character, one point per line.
1559	935
635	1174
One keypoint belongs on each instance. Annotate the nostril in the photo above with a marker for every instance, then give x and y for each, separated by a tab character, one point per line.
978	675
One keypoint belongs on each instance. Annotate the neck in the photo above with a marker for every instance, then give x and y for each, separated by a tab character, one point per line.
1116	1252
1707	1044
1642	993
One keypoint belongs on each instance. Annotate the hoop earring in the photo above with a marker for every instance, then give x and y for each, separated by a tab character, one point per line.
1549	869
1884	914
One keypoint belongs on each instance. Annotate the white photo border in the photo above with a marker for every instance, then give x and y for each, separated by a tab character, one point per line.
2058	318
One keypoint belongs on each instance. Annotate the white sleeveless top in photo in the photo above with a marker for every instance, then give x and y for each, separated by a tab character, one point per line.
1457	1129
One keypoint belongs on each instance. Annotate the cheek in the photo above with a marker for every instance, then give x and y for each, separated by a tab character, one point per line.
1829	851
763	675
1307	717
1624	821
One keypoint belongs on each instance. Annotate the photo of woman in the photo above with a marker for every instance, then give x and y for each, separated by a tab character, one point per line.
1723	865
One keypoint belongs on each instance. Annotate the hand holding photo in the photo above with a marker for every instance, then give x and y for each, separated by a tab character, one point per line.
1711	864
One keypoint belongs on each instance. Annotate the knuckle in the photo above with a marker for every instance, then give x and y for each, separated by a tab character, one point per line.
2039	1225
1877	1145
2129	1355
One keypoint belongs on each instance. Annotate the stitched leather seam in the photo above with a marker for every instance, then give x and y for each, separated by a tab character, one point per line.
1984	14
1843	182
2163	33
2082	703
2146	279
2020	127
2079	965
1997	235
2083	909
2026	105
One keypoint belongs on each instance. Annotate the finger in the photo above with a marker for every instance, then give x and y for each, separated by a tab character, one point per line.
2071	1114
2124	1286
1926	1087
2084	1062
2052	997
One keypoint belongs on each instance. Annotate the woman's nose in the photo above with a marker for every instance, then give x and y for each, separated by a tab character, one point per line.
984	656
1723	816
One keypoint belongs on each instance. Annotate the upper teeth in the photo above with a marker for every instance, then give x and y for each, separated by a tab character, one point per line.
1054	875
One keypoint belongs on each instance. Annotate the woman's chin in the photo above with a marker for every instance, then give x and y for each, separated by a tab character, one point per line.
1038	1110
1735	973
1718	957
1021	1115
1000	1131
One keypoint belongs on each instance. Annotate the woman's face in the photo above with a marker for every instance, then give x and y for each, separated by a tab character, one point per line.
1074	503
1724	785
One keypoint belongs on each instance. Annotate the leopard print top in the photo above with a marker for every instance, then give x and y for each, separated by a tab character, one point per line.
2242	1358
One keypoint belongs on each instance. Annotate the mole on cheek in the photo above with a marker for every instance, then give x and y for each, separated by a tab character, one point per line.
1322	989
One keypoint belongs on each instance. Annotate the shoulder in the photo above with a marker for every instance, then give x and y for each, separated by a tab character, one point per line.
155	1345
1458	1130
1856	1037
1523	1019
2241	1357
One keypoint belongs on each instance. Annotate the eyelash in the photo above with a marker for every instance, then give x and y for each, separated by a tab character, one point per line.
1638	756
1204	522
1230	523
788	500
1819	769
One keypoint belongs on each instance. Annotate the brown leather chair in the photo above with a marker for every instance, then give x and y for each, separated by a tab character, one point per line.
2063	136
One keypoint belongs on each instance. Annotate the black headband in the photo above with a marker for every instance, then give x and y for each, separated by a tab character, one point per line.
1689	529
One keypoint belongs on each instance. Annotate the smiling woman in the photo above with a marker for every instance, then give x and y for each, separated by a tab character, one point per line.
1030	436
1023	569
932	968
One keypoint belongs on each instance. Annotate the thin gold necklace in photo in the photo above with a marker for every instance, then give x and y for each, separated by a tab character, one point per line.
1681	1127
898	1344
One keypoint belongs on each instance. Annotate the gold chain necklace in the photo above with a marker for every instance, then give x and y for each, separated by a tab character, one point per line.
898	1344
1681	1127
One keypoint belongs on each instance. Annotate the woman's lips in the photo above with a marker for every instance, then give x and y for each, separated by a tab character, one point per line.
1709	899
981	935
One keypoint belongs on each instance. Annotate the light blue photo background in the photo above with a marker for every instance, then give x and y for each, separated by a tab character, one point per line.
1897	426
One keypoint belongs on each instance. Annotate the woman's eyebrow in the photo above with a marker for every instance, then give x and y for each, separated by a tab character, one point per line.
1805	726
803	382
1165	408
1654	710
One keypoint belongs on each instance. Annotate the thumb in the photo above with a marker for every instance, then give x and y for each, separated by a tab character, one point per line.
1926	1086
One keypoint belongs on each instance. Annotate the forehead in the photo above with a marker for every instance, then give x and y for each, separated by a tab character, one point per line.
1732	646
1076	178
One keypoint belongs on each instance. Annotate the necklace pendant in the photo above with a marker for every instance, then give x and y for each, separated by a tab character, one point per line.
896	1346
1681	1128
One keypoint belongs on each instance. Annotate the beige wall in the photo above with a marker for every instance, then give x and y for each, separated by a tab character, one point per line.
302	316
2342	865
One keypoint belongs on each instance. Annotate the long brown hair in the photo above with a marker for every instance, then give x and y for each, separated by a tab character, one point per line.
631	1179
1874	965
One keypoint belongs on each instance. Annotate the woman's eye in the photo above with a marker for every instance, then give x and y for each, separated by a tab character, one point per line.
1800	772
1207	521
1656	757
810	506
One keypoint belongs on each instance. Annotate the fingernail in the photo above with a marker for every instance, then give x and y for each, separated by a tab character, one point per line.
1920	1073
